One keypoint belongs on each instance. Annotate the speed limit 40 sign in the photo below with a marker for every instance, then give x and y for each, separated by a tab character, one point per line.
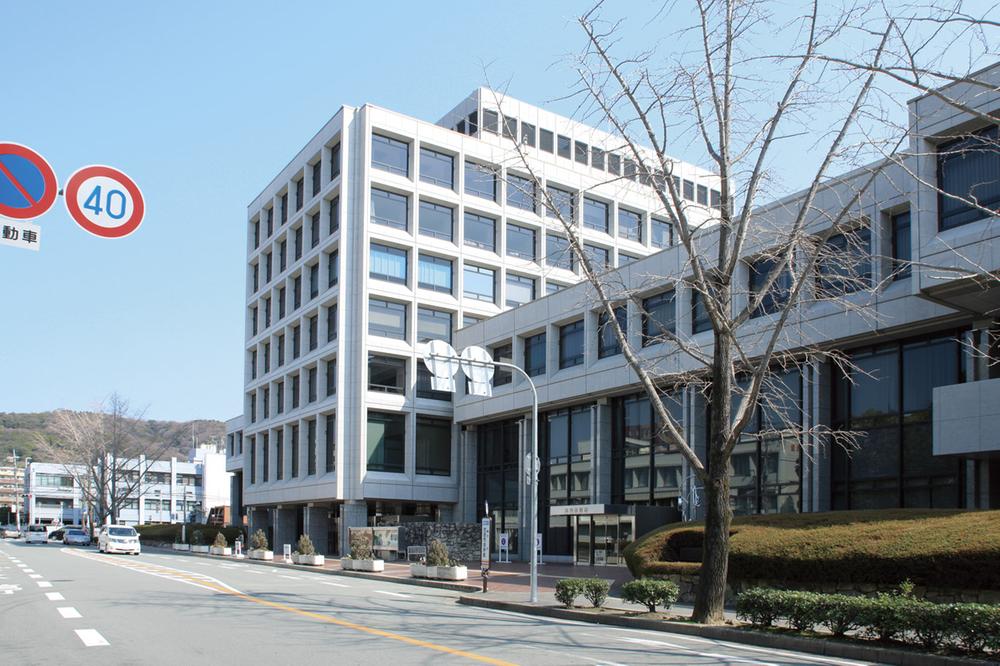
104	201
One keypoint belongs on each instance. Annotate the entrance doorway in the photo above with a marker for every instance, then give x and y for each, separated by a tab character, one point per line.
600	539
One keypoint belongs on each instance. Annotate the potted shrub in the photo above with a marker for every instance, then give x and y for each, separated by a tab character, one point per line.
419	569
221	546
180	545
258	547
196	542
437	556
305	553
362	555
454	571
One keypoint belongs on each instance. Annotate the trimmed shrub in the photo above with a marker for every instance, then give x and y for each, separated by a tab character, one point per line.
803	610
437	554
196	538
258	540
596	590
305	546
651	593
361	545
974	627
220	540
758	606
568	589
839	613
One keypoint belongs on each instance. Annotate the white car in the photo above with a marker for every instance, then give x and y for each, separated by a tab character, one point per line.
36	534
118	539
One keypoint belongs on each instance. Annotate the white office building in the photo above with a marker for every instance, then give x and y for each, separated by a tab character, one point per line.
385	231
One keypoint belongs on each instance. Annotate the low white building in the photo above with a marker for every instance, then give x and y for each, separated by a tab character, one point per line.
169	491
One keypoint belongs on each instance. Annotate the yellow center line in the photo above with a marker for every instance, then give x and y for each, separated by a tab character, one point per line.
322	617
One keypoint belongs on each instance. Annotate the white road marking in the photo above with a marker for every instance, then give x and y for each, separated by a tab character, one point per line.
10	589
395	594
35	576
54	596
712	655
288	577
43	583
326	582
23	566
69	613
600	662
91	637
29	571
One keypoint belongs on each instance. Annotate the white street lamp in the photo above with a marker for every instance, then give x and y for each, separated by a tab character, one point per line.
476	363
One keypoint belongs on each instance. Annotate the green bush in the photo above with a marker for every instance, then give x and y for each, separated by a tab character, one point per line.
305	546
361	544
437	554
975	627
258	540
220	540
651	593
171	533
885	547
568	589
758	606
803	610
840	613
596	590
197	537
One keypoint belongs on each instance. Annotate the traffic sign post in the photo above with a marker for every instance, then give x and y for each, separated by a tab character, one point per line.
104	201
484	555
27	183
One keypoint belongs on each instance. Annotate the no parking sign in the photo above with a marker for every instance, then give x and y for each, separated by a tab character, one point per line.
104	201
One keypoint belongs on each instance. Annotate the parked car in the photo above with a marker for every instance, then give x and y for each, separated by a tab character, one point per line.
118	539
36	534
76	537
10	532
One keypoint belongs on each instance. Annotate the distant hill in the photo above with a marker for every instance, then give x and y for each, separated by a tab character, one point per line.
17	432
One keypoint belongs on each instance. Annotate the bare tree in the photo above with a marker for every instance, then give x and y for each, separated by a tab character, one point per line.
735	84
102	453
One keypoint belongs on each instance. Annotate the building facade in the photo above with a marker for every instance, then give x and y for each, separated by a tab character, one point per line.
922	392
11	492
169	491
382	233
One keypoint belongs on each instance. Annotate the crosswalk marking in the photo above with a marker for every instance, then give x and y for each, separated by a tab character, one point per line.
54	596
91	637
43	583
69	613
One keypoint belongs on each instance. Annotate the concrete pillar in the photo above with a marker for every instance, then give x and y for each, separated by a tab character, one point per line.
468	479
284	528
317	526
600	491
352	514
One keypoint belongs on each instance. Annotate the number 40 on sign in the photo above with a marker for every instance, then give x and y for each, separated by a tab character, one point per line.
104	201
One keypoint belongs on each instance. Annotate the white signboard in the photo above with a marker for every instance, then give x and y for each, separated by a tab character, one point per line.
287	553
504	547
600	557
484	556
24	235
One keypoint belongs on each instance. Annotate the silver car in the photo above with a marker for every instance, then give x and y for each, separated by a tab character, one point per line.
76	538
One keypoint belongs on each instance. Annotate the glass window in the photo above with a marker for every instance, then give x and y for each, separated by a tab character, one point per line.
552	287
311	383
700	321
331	323
503	354
571	345
299	193
314	230
689	190
595	214
334	212
491	120
314	281
968	168
581	152
596	158
386	442
256	234
437	168
433	446
658	318
469	320
901	245
424	387
390	209
662	232
386	319
332	268
614	164
316	178
528	134
629	225
390	154
296	341
334	161
778	295
284	213
473	123
520	290
844	264
480	283
562	204
481	180
436	220
607	339
520	242
520	192
624	259
433	325
558	253
509	127
331	442
434	273
545	140
703	195
716	199
534	355
565	147
387	374
600	257
388	263
480	231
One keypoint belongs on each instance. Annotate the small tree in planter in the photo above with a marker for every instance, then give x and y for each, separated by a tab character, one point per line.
198	542
305	553
258	546
441	565
362	555
221	546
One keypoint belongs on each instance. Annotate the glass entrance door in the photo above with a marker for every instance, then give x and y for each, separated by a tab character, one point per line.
606	540
582	539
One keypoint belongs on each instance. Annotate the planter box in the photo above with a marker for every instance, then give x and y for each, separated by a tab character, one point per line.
432	572
452	573
220	550
182	546
418	570
200	549
309	560
368	565
346	563
261	554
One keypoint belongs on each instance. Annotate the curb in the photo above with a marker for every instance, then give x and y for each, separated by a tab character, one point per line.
827	648
418	582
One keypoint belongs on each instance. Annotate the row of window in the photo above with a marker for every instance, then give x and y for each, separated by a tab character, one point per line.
288	303
292	460
295	398
261	356
263	270
582	153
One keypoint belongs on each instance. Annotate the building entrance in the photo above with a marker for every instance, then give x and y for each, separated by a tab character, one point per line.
601	531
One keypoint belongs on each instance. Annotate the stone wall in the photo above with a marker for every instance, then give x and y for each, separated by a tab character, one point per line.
462	539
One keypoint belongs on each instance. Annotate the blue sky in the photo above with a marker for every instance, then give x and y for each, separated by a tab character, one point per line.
201	104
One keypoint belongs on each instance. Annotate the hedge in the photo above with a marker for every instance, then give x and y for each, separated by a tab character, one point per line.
885	617
944	548
594	589
169	533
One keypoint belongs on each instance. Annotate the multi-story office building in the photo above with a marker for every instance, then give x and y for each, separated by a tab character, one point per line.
11	490
922	334
384	232
169	491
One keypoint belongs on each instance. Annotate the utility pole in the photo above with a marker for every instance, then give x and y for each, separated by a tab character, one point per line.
17	494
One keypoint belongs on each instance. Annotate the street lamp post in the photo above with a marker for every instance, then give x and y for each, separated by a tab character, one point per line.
441	360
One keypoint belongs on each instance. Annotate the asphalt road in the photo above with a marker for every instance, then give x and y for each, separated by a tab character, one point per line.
62	605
